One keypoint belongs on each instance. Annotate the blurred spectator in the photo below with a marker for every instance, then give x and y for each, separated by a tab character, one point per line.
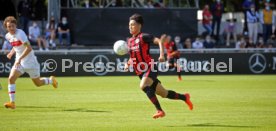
208	43
271	41
158	4
35	36
188	43
95	3
177	41
2	34
252	19
197	44
241	43
274	27
246	7
271	3
217	9
86	4
24	10
250	44
51	28
63	29
261	43
6	46
116	3
207	18
267	19
230	29
149	4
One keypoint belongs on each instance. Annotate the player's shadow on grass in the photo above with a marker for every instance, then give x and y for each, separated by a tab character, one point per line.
84	110
42	107
216	125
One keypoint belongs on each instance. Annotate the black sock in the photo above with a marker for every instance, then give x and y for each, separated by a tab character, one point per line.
151	95
175	96
179	74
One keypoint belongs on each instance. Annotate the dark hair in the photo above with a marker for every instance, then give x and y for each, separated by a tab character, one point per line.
10	19
138	18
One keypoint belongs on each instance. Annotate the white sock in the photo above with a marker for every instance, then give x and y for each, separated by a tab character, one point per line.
47	81
11	88
50	81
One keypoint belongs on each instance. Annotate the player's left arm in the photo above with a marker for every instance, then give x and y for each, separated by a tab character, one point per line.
175	52
127	64
27	50
160	42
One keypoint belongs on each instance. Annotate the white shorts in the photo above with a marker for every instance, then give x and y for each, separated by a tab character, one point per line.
33	72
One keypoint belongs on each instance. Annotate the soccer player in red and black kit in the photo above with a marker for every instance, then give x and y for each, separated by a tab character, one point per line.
139	46
172	55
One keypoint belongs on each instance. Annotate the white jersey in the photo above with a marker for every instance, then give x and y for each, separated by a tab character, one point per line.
17	40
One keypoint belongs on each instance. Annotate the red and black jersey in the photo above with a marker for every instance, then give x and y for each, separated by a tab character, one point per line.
171	47
139	50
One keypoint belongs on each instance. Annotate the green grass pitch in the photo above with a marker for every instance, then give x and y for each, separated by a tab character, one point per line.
221	103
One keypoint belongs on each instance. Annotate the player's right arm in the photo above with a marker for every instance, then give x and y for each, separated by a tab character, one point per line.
158	41
126	68
11	53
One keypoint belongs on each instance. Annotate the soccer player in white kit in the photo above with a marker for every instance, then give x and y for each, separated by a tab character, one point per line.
25	60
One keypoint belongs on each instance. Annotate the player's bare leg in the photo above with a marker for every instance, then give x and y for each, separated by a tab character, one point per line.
161	91
45	81
45	44
11	87
39	44
178	71
147	85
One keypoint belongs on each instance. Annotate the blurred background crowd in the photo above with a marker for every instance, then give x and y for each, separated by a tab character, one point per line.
221	23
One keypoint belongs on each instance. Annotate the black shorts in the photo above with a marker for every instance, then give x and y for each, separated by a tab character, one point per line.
150	73
172	60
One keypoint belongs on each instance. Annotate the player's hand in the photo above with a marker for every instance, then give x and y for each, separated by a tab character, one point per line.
17	63
9	55
161	58
126	68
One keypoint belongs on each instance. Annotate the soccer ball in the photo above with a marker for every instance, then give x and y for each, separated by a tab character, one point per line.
120	47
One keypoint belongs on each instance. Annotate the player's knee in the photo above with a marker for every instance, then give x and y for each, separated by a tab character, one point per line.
38	84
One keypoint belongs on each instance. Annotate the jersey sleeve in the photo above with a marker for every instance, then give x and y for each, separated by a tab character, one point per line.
23	37
147	38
